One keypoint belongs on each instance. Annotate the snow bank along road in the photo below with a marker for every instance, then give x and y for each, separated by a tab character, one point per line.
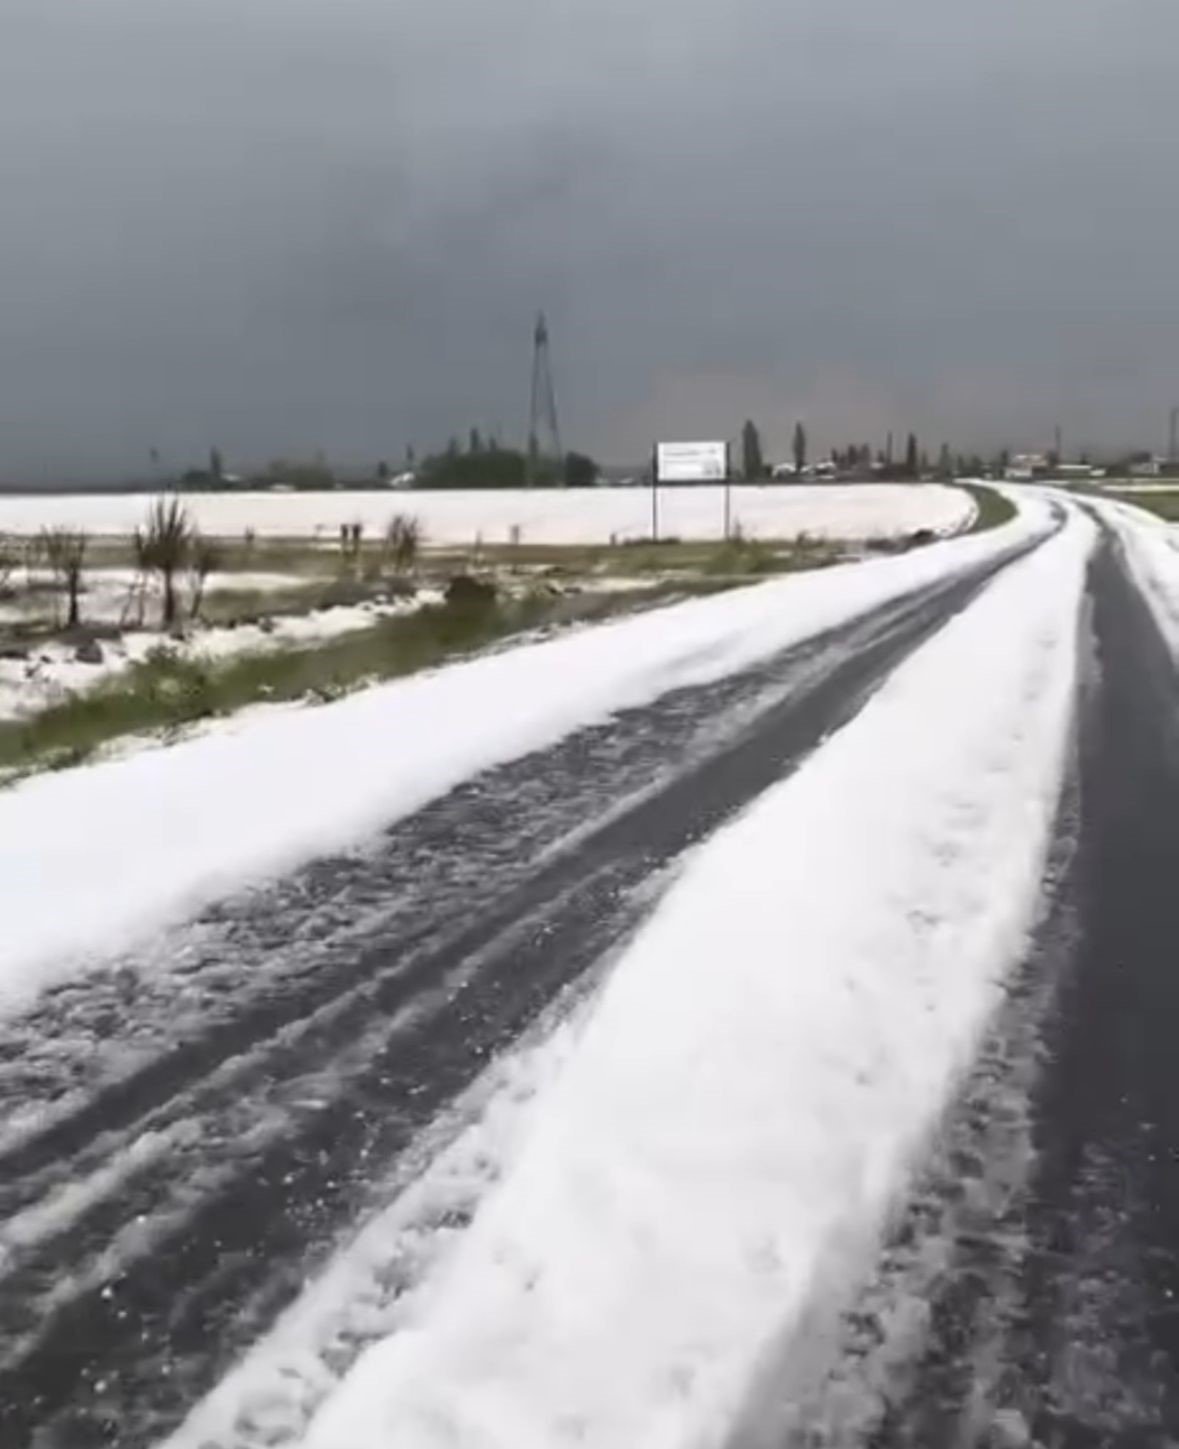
586	515
749	1024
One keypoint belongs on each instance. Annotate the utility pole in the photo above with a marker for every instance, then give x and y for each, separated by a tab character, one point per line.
544	434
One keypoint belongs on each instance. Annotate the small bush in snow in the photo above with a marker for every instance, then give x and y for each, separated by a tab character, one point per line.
65	553
204	558
465	592
403	542
9	558
163	547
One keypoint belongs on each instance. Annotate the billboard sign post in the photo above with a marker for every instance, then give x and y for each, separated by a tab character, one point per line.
655	495
692	462
706	462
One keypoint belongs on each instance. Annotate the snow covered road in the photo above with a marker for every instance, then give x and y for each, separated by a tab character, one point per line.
705	1060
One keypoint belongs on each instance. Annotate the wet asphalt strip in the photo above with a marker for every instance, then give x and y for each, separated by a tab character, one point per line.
1102	1329
400	972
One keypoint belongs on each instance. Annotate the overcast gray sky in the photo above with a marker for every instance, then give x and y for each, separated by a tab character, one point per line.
281	225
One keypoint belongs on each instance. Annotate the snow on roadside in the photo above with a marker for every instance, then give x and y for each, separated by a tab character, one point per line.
109	594
95	857
53	671
543	515
716	1162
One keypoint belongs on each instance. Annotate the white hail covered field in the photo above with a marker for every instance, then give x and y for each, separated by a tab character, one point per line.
593	515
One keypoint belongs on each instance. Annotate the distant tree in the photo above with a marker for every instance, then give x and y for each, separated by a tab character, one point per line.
753	465
945	463
216	465
65	553
452	447
383	472
295	473
504	468
411	456
580	471
912	457
923	464
475	442
799	448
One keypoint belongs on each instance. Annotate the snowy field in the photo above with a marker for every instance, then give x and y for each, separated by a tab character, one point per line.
595	515
1169	485
117	596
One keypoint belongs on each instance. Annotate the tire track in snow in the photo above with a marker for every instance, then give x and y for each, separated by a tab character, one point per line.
924	1354
342	1010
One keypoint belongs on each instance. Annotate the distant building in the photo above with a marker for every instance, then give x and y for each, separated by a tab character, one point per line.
1023	467
1145	467
782	472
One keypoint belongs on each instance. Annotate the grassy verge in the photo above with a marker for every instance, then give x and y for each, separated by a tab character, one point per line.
166	692
994	508
1162	505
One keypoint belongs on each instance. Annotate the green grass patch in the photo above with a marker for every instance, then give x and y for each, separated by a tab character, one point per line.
1163	505
994	508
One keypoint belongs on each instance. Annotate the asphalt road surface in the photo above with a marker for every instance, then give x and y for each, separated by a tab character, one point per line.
190	1132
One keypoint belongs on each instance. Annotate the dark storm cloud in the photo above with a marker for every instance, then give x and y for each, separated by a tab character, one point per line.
289	224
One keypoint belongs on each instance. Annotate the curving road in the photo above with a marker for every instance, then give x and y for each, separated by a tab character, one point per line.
189	1135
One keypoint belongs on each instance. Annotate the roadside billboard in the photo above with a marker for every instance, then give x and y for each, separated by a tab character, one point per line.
691	462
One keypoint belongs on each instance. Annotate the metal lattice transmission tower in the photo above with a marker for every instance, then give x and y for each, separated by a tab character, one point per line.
544	432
